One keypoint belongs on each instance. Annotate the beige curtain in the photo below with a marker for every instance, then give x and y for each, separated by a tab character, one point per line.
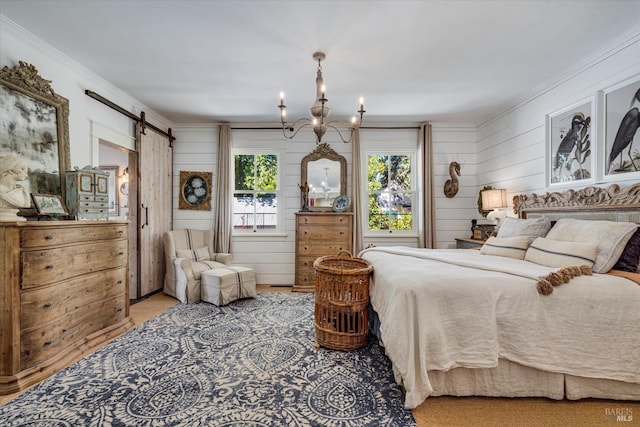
222	221
356	185
427	233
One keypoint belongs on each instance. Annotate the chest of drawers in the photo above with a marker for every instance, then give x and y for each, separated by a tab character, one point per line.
87	193
64	291
319	234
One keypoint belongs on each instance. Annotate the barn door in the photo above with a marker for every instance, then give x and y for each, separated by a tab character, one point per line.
154	207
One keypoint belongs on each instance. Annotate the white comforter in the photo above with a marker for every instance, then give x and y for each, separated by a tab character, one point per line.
441	309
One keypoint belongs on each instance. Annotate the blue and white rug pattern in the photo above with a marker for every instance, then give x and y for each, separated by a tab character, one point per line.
252	362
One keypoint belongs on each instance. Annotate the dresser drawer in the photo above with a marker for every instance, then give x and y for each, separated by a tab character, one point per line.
317	249
42	305
325	220
39	344
41	267
59	236
316	233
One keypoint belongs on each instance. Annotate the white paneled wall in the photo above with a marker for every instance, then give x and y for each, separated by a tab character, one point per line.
454	142
511	147
272	256
195	150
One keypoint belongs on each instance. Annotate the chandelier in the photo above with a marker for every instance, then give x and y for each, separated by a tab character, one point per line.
319	112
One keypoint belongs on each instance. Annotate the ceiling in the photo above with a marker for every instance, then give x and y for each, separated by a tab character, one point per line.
197	61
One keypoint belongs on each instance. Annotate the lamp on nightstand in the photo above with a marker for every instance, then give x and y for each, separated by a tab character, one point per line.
495	201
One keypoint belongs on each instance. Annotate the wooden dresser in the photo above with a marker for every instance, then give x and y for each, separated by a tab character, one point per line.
319	234
63	291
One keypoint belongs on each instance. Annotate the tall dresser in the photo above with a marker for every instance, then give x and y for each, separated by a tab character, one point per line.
319	234
64	291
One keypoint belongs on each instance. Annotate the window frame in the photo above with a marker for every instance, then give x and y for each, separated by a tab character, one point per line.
279	191
415	195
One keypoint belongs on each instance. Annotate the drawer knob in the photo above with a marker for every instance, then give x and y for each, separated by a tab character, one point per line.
48	342
119	282
120	309
48	237
47	305
50	267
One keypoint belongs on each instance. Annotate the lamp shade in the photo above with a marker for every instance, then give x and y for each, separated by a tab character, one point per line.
494	199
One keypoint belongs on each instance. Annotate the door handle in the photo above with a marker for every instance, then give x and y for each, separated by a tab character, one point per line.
146	215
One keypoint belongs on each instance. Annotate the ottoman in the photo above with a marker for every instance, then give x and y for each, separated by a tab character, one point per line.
223	285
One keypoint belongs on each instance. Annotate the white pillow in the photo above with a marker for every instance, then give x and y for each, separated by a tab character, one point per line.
200	254
557	253
534	227
611	238
512	247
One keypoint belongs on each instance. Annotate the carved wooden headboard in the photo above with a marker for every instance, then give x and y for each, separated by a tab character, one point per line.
594	203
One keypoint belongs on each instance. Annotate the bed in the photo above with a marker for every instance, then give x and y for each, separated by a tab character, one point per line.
465	322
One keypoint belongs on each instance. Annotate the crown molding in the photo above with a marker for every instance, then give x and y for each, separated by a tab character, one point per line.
618	44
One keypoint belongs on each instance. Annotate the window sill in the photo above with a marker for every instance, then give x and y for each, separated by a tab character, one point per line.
245	237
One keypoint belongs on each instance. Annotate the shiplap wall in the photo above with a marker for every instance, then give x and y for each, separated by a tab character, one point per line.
273	256
511	147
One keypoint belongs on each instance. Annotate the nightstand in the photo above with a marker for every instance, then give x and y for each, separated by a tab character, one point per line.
469	243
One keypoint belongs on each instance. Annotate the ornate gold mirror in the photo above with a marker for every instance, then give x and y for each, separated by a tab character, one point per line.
36	127
325	172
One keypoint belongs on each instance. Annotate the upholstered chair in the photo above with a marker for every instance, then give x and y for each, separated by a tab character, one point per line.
188	253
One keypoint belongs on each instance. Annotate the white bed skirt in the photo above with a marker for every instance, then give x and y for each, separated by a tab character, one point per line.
510	379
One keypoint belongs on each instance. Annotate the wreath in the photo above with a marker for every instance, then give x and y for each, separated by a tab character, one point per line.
480	210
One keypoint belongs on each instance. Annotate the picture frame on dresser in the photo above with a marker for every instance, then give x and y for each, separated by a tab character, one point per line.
569	149
36	127
618	112
49	205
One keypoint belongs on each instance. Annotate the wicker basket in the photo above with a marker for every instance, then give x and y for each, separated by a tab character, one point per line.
342	295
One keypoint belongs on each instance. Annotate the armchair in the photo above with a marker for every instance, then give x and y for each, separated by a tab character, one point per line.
188	253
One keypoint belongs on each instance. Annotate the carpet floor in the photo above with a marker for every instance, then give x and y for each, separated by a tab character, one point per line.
253	362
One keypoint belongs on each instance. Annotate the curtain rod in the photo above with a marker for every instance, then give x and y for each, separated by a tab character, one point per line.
132	116
361	127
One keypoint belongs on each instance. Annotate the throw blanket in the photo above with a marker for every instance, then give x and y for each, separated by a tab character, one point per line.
442	309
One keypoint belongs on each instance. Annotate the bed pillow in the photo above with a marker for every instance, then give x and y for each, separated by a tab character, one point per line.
611	238
557	253
630	258
512	247
534	227
200	254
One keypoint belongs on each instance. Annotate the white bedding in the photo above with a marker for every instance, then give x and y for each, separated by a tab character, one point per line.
442	309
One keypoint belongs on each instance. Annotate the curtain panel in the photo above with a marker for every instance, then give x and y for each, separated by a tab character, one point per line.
222	221
427	234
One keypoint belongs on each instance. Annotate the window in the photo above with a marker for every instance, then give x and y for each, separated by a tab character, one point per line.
255	192
391	192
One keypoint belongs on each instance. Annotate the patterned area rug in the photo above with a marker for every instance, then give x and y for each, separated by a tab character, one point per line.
253	362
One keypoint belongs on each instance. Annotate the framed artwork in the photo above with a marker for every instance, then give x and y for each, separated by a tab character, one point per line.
111	188
195	191
35	125
619	112
49	204
570	157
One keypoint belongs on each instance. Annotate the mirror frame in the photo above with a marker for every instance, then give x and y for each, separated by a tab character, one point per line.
24	79
324	151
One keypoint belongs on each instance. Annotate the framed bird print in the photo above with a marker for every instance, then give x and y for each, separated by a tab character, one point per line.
569	151
619	110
